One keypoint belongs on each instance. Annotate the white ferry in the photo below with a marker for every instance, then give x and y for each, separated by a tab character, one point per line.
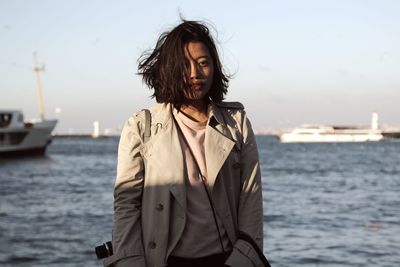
18	137
321	133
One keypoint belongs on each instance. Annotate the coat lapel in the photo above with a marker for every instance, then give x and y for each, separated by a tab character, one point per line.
217	146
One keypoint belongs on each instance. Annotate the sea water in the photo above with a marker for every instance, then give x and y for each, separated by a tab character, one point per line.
324	204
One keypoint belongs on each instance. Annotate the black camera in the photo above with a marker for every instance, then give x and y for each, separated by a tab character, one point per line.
104	251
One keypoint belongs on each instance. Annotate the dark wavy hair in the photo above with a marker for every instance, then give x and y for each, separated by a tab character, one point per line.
163	68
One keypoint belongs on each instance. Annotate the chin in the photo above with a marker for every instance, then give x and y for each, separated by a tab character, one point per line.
196	96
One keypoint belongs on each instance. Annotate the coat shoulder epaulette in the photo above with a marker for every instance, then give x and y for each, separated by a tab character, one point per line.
230	105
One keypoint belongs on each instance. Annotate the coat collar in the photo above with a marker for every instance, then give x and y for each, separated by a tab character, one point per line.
162	113
216	113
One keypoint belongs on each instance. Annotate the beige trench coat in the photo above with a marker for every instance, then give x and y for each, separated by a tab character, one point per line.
150	194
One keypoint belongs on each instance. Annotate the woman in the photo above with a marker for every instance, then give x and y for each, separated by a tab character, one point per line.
185	190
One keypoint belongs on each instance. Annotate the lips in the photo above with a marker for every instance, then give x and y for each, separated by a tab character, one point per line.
197	85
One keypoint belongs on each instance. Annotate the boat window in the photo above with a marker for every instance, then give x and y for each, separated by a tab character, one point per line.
5	119
12	138
17	138
20	118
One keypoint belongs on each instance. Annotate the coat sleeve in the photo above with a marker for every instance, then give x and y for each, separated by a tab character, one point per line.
250	210
127	230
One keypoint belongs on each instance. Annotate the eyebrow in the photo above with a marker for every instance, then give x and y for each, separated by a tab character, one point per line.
200	57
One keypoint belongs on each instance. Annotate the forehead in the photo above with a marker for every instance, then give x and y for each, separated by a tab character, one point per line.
196	50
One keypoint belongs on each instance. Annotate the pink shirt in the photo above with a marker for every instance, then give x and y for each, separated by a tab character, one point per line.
200	237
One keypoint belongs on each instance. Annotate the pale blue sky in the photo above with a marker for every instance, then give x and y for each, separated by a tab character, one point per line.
295	62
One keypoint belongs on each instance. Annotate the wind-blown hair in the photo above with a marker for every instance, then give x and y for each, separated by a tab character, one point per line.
163	68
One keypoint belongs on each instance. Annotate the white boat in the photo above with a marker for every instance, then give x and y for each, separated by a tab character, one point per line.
20	137
321	133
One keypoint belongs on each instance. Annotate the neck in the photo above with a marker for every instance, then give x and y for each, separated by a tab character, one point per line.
196	110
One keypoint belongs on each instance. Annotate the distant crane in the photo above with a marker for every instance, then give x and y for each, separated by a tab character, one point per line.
39	93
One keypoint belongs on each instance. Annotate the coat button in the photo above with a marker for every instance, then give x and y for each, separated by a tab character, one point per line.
160	207
152	245
236	165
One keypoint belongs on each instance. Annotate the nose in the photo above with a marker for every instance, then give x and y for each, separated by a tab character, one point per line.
195	71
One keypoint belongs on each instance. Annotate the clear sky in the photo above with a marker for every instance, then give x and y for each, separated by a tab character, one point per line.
294	62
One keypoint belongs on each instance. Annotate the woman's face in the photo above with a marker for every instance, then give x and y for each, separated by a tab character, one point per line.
200	70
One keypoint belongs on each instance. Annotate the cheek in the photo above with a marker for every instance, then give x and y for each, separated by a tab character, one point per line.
210	74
